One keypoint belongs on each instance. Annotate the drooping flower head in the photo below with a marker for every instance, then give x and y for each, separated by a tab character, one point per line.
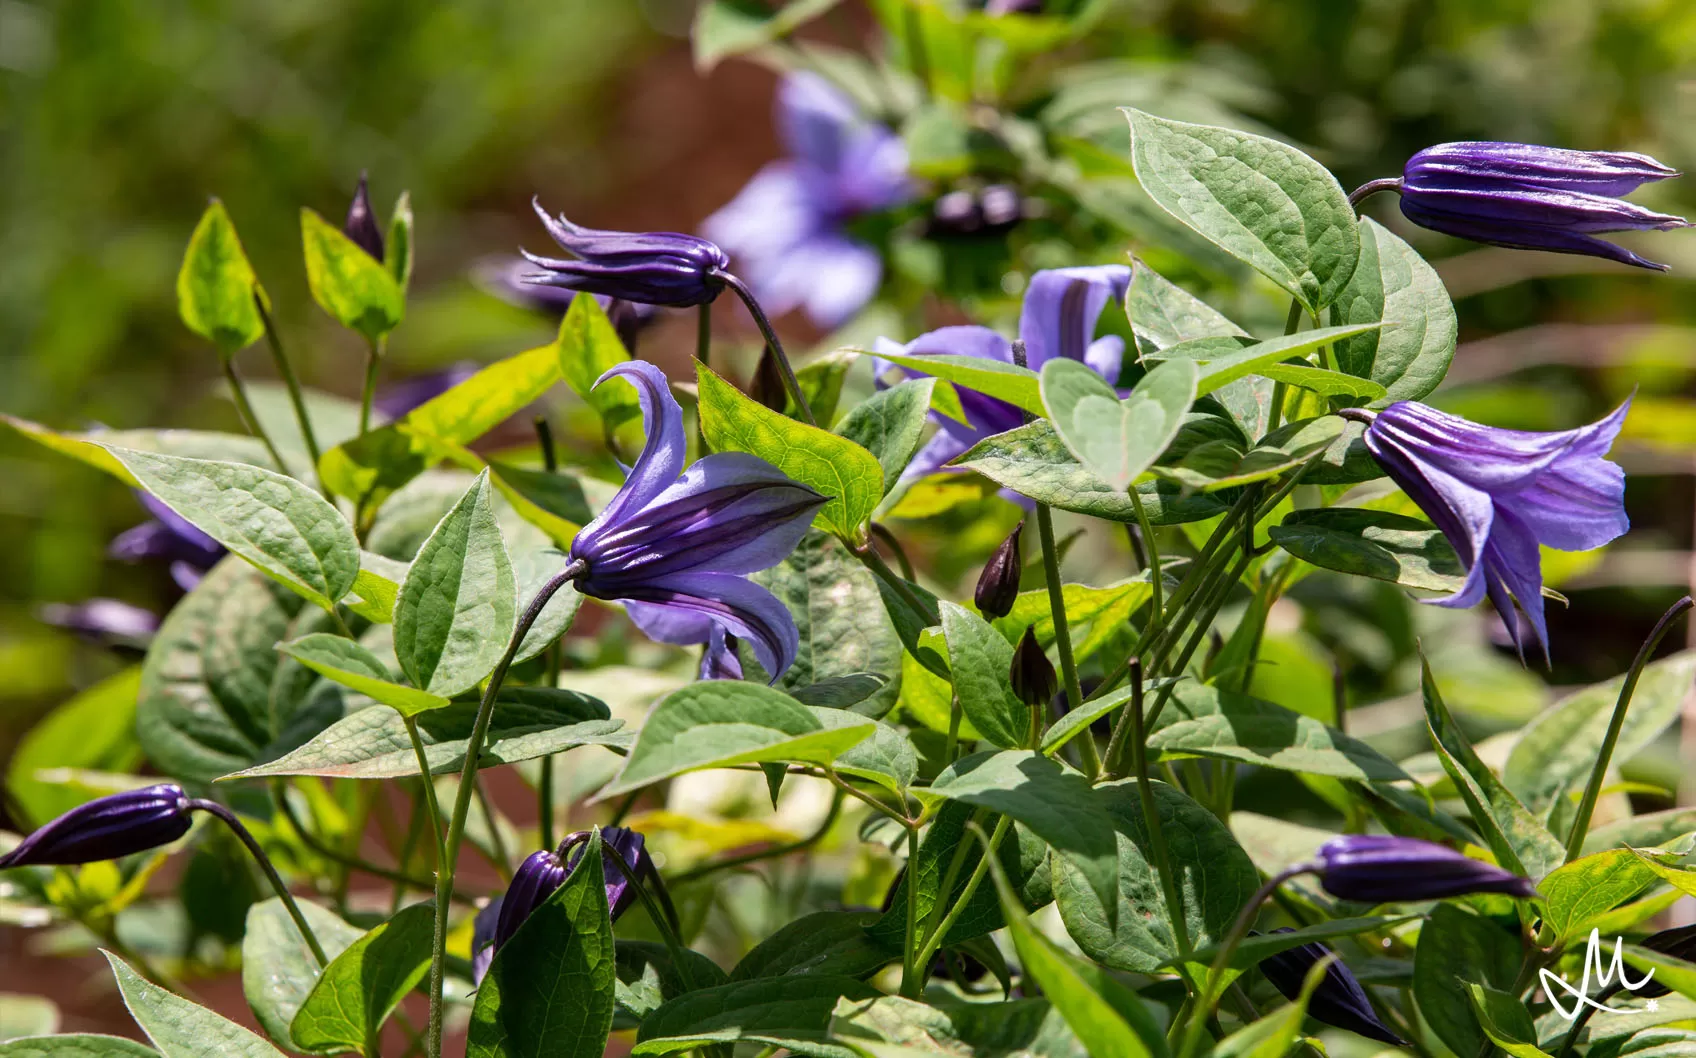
1498	494
1062	307
1383	869
1339	1001
169	537
1528	197
654	268
107	828
676	546
786	227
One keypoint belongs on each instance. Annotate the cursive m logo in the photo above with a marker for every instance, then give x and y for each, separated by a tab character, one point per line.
1555	986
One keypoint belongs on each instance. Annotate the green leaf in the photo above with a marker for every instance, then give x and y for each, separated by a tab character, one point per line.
1558	748
1458	949
457	607
1034	462
334	418
890	424
75	1045
215	694
89	447
1518	839
351	665
1223	464
1323	382
278	970
1643	831
375	588
528	722
1102	610
1576	894
844	628
824	942
1224	360
1676	974
348	283
1275	1034
1263	202
768	1010
1132	928
980	659
830	465
1117	440
718	723
1254	949
887	758
1163	314
216	286
1505	1021
181	1029
892	1027
1058	805
1210	722
724	28
821	379
588	347
362	985
549	991
1393	284
557	503
1018	386
647	979
26	1015
1376	544
533	568
94	731
289	532
400	251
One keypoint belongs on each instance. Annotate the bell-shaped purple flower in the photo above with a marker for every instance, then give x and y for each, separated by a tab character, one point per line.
1498	494
1384	869
107	828
1061	309
168	537
654	268
676	545
361	223
786	227
1339	1001
1528	197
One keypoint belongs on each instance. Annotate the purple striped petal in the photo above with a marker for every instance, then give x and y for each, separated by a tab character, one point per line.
746	610
1062	307
663	451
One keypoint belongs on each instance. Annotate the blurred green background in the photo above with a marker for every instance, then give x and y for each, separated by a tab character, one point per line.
118	119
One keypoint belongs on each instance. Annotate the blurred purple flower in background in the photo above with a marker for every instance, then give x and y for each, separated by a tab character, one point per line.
654	268
108	621
1062	307
676	546
398	398
361	223
785	229
1498	494
168	537
107	827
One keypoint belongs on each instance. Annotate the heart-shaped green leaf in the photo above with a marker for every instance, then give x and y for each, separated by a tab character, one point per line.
1117	439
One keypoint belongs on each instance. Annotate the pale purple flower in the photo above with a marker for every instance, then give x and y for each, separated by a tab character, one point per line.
109	621
1497	494
786	228
1062	307
168	537
676	546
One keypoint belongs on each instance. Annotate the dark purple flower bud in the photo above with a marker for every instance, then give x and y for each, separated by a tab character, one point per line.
1339	1001
767	386
103	621
1012	7
534	881
107	828
398	398
1499	494
361	224
655	268
990	211
1031	673
998	584
632	848
1383	869
1528	197
676	546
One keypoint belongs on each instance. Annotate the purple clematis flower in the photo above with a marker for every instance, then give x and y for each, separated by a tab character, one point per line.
1383	869
170	537
720	660
107	828
676	546
654	268
1528	197
109	621
1062	307
1339	1001
1498	494
786	227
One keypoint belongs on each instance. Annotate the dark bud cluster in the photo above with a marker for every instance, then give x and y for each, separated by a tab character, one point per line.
992	210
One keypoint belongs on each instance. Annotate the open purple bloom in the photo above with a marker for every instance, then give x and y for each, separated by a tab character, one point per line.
786	227
676	546
654	268
1339	1001
168	537
1528	197
1062	307
1383	869
1498	494
107	828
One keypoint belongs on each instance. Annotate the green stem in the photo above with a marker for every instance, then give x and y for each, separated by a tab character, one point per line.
703	347
290	379
545	786
376	870
1598	773
373	357
1155	582
1275	414
909	948
1205	619
881	533
432	807
271	875
934	941
1063	633
462	798
497	843
244	408
1151	819
873	561
790	382
702	870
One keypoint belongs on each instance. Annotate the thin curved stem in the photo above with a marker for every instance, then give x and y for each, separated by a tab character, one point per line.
271	875
290	380
1063	635
373	357
1372	187
883	535
937	934
661	920
376	870
1151	820
776	851
249	419
790	382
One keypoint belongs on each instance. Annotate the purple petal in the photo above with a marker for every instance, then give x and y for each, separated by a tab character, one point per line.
746	610
1062	307
943	448
1487	163
832	277
772	213
720	661
814	118
987	415
669	624
663	452
1578	503
179	525
1106	357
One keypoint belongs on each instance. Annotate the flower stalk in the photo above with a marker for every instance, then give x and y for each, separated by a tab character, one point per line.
277	884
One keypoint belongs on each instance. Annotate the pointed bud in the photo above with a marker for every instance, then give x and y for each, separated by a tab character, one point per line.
361	225
767	387
107	828
1384	869
998	584
1031	674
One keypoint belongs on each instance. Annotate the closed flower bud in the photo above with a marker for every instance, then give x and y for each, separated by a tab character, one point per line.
535	880
1339	1001
653	268
767	386
989	211
998	584
1382	869
1031	674
361	224
107	828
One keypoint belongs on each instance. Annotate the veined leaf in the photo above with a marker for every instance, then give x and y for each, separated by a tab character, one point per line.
1394	285
363	985
181	1029
980	658
216	286
351	665
1113	439
1016	385
348	283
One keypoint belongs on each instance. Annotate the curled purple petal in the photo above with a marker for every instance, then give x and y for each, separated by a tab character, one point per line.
655	268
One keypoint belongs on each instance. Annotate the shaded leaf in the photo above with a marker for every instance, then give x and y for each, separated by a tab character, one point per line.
1215	723
980	658
278	970
1458	949
775	1011
1393	284
1376	544
890	424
